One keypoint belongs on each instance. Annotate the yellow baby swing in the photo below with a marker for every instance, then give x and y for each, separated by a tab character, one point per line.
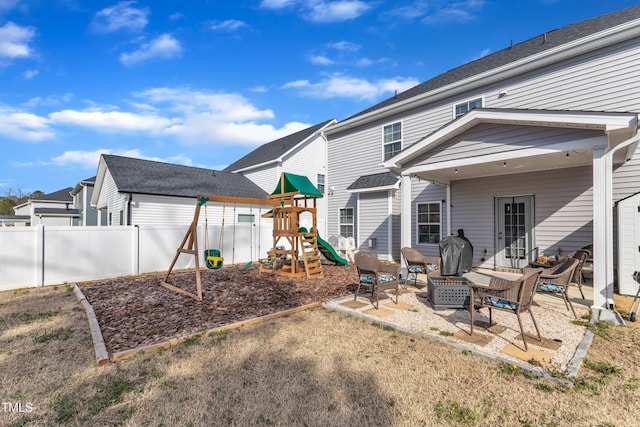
213	257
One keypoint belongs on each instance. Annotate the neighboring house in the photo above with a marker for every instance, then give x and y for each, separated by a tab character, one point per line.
302	153
15	220
525	149
82	192
132	191
50	209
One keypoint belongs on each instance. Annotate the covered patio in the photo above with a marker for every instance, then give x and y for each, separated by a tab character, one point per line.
523	183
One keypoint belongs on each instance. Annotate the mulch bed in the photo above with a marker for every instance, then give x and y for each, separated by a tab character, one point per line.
137	311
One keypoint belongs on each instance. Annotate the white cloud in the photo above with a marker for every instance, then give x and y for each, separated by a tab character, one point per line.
210	118
342	86
320	10
120	17
277	4
29	74
163	47
438	12
228	25
320	60
14	41
112	121
336	11
23	126
344	46
7	5
51	100
90	159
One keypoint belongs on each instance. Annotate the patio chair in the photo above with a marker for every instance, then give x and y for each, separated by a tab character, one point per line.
557	279
418	263
513	296
374	273
578	278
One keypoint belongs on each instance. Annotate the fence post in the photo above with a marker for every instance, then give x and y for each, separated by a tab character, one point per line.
136	250
39	256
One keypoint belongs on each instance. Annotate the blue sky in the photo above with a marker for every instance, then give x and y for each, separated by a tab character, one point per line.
202	83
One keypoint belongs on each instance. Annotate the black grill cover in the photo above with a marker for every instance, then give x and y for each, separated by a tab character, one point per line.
456	253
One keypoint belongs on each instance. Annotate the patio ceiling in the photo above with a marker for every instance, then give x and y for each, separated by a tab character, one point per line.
506	166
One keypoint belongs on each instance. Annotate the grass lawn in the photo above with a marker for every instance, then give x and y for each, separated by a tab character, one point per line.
311	368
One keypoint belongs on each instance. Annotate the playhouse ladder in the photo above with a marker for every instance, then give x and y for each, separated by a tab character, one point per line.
311	255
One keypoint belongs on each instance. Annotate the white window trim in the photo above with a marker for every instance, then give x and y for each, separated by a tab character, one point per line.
439	202
466	101
382	137
353	224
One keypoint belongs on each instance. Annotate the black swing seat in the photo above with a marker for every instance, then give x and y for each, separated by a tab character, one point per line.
213	260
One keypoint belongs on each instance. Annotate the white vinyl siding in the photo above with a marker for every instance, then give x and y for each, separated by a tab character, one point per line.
265	177
373	222
562	217
485	139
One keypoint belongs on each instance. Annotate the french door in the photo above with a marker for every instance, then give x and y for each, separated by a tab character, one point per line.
514	231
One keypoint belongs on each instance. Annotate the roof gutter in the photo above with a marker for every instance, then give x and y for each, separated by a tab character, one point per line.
568	50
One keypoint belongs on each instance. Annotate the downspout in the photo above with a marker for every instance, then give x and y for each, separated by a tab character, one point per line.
129	209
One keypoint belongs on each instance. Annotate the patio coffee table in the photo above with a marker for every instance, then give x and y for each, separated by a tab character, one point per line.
447	293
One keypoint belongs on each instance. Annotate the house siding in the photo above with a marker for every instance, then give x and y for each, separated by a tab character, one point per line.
486	139
425	192
373	222
265	177
563	209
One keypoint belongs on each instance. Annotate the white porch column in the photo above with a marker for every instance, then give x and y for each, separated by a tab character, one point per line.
600	229
405	217
609	229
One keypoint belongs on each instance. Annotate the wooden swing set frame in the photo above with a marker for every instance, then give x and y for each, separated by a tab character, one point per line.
189	243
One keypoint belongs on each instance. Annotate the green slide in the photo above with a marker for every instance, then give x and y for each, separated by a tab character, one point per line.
330	253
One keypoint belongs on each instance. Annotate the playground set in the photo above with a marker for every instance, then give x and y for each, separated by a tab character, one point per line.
296	250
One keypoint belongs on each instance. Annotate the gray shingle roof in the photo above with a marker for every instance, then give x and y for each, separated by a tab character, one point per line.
150	177
545	41
16	217
56	211
274	149
63	195
383	179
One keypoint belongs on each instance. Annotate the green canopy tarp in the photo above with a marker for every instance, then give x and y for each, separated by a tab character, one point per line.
297	183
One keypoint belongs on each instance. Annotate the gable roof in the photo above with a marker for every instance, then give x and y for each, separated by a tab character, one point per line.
63	195
85	182
275	150
139	176
547	41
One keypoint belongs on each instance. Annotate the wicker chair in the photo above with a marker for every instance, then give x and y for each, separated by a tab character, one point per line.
375	274
418	263
513	296
581	256
557	279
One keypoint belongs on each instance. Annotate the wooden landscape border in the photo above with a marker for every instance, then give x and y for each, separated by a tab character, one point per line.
102	355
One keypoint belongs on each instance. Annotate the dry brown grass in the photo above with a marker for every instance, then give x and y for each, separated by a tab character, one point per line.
312	368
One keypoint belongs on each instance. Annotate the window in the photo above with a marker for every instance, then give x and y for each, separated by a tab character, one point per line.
391	140
121	217
321	183
346	222
428	216
463	107
246	218
110	218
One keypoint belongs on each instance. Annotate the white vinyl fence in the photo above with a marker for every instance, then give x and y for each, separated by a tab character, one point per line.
49	255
